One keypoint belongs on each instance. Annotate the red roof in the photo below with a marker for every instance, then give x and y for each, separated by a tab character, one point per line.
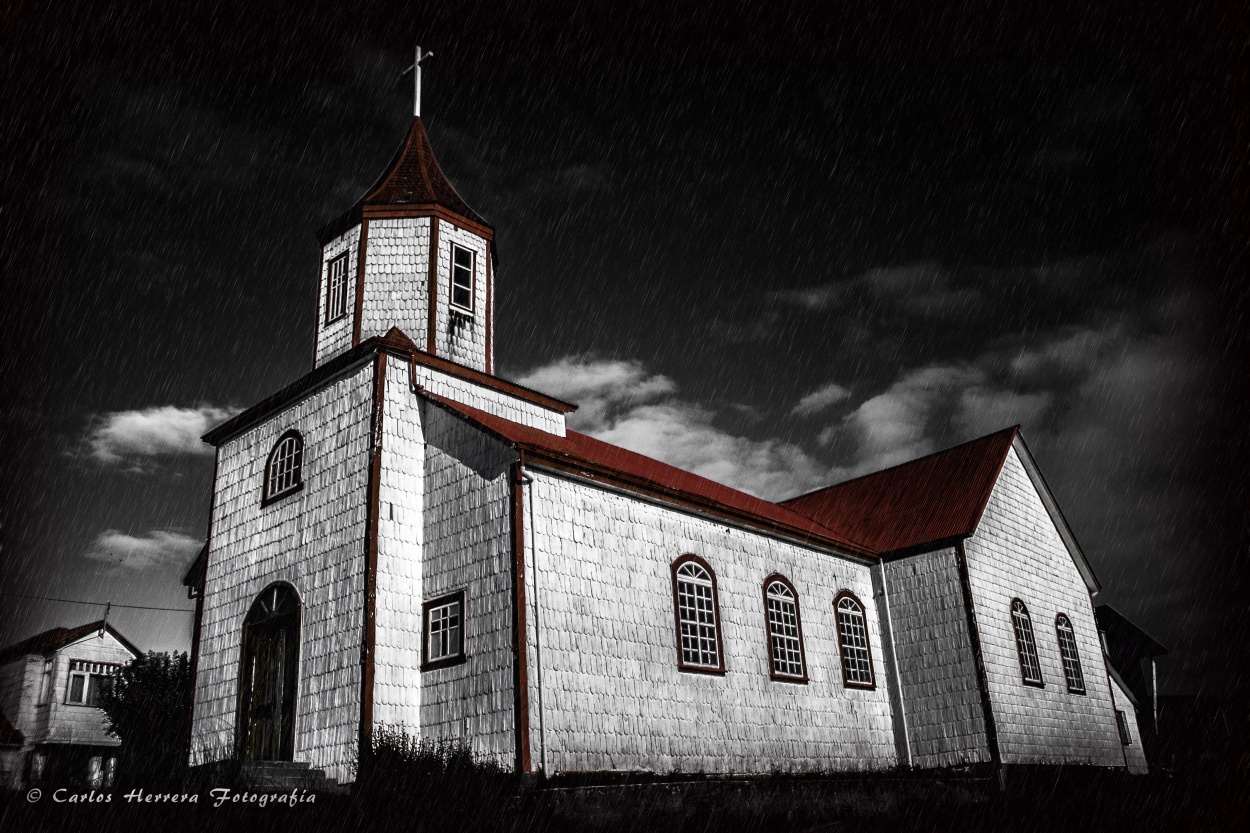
412	180
931	499
585	456
54	638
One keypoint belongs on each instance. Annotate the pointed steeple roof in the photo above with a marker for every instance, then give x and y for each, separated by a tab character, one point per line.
412	185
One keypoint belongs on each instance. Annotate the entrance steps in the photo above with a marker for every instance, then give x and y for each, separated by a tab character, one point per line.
284	776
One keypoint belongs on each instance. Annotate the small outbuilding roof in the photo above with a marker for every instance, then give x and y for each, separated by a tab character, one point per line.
584	456
54	639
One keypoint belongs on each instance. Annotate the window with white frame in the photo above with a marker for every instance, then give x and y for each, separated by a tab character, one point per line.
45	684
284	470
1026	645
853	641
698	631
1071	659
785	633
87	680
462	274
336	288
444	631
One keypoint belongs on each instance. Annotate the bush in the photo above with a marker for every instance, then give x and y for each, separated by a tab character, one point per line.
146	707
435	774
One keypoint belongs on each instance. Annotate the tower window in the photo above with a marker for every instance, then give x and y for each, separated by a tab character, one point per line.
785	632
284	470
462	274
853	641
336	288
1071	659
444	632
1026	646
697	610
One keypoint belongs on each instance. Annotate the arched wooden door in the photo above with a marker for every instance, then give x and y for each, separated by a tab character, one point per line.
269	677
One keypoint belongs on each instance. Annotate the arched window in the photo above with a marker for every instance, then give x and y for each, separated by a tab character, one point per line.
1026	646
1071	659
853	641
698	616
785	630
284	470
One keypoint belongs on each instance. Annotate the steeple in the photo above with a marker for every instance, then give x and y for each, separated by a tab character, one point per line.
411	254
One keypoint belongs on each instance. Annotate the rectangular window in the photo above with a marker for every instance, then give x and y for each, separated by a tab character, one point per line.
1121	722
45	683
87	680
336	288
444	632
462	277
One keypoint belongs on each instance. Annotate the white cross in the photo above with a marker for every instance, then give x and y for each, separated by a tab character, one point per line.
415	69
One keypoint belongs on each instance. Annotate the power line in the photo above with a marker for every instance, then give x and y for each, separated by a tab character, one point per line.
98	604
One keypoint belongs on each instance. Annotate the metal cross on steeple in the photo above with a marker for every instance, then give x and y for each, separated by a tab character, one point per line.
415	69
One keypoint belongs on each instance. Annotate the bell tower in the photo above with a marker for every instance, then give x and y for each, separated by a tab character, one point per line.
410	254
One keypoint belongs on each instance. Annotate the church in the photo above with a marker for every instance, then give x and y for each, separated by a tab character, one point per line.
402	539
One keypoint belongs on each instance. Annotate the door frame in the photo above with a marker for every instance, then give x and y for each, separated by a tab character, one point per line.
245	681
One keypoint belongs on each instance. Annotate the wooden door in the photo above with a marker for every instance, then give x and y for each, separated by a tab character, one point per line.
269	679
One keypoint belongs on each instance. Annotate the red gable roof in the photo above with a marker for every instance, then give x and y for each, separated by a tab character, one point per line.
412	180
54	638
930	499
587	457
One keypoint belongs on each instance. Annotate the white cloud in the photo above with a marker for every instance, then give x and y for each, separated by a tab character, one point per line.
620	402
156	548
820	399
922	289
153	432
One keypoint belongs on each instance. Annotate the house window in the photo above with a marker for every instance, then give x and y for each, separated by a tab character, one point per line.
1026	646
38	763
1071	659
285	467
698	621
853	641
462	277
444	632
45	684
1121	722
87	680
785	632
336	288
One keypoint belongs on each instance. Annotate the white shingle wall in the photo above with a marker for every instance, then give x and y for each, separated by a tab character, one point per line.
490	401
461	337
1133	753
938	674
68	723
19	691
605	692
397	278
468	546
314	540
1017	553
401	533
336	337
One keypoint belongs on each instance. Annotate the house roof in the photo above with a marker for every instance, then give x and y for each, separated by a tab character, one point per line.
587	457
54	639
9	735
394	341
1125	633
412	181
934	498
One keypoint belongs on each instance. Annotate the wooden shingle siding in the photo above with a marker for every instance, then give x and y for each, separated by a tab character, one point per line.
491	401
314	540
457	336
336	337
396	281
937	671
468	546
61	722
401	536
1017	552
605	692
1133	753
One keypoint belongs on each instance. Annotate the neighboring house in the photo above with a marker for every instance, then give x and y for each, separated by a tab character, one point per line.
49	684
1132	654
402	538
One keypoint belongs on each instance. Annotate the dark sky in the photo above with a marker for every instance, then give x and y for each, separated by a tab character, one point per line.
777	245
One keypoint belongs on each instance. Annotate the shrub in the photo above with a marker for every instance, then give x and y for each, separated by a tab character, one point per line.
146	707
435	773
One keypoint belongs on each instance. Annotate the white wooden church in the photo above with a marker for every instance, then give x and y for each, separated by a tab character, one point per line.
401	538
